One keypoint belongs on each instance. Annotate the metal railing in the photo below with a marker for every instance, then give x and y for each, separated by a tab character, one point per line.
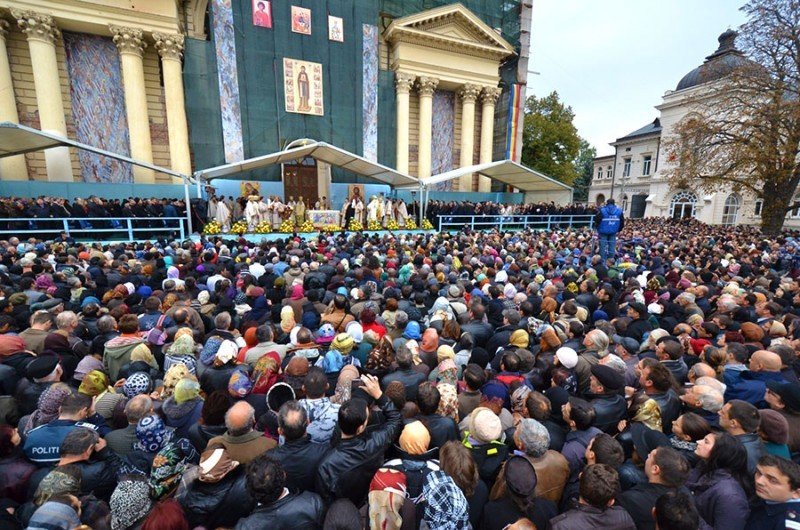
130	226
515	222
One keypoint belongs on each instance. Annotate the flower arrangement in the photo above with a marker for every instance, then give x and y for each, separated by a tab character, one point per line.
306	226
212	228
392	225
264	227
411	224
374	225
287	226
426	225
330	228
355	225
239	227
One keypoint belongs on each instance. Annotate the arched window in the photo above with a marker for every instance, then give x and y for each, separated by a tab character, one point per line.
625	203
683	205
730	214
600	199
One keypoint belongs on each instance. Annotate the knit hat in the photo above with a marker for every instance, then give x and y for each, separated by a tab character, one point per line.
129	503
567	357
137	383
599	314
203	297
646	439
445	352
151	434
519	338
774	426
484	425
520	476
343	343
415	438
239	385
608	377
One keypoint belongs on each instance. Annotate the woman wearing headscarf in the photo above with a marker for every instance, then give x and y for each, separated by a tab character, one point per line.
446	507
287	324
48	408
344	384
130	503
169	466
183	350
216	376
386	500
380	359
152	435
548	313
369	322
296	300
266	372
184	407
107	401
259	311
250	340
173	274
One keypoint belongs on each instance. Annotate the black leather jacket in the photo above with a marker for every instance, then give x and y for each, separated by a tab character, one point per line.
670	405
296	511
218	504
610	410
346	471
300	459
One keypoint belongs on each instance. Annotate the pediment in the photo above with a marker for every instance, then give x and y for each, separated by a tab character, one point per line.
454	23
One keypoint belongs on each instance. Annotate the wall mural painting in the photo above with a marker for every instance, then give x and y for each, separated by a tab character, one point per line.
302	83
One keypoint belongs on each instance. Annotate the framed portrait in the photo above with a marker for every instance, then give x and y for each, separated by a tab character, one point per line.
262	13
248	188
302	85
356	190
301	20
335	29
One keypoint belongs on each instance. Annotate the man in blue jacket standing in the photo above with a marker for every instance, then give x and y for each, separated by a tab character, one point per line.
610	220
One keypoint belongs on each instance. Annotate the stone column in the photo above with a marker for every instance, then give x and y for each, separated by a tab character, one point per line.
426	87
170	48
12	167
403	81
468	94
488	99
131	45
42	33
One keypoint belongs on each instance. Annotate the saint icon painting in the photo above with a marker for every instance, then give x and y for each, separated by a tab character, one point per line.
302	84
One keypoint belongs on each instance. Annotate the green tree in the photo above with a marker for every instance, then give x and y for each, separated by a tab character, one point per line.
584	166
744	131
550	141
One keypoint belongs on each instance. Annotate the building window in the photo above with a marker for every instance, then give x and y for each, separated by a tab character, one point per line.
624	203
609	172
600	199
683	205
794	213
626	168
646	165
758	207
599	173
730	213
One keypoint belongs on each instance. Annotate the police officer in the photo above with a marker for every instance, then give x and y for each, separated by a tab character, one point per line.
610	220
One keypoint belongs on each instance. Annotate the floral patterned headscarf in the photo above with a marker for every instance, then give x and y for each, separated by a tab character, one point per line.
168	467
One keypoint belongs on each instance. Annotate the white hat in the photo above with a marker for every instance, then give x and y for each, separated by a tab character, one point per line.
655	309
501	277
567	357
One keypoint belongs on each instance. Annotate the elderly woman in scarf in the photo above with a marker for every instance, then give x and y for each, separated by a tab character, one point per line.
182	351
96	385
288	321
48	408
184	407
130	503
169	466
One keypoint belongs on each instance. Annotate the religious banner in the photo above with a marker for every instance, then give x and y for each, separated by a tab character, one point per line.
335	29
320	218
301	20
249	188
262	13
302	84
355	190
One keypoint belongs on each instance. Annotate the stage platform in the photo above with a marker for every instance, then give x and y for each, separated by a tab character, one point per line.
258	238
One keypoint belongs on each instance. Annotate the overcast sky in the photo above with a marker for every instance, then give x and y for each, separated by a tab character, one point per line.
612	60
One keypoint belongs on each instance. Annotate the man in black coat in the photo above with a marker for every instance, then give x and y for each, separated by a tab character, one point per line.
656	381
639	325
347	470
278	507
298	454
606	385
666	470
480	331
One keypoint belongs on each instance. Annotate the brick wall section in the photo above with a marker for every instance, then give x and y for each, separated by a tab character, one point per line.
25	92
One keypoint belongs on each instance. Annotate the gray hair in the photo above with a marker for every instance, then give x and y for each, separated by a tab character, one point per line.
534	437
711	382
66	319
138	407
223	320
710	399
106	324
599	340
237	428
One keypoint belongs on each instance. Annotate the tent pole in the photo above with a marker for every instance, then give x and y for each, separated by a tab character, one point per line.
188	207
199	188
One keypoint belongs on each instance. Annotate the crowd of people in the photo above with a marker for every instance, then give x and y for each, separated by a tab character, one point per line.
482	380
437	208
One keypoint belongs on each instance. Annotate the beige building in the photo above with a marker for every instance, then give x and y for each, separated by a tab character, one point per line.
640	165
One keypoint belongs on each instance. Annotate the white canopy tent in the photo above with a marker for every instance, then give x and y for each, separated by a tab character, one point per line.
506	171
320	151
16	139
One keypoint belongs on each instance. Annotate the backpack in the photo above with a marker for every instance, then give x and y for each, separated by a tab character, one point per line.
158	335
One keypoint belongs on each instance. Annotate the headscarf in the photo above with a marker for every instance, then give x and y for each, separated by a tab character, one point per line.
54	515
143	353
448	404
549	306
215	464
448	372
175	373
445	352
287	319
518	398
332	362
297	292
387	493
447	507
184	331
265	372
48	406
86	365
239	385
343	384
168	467
259	309
94	383
55	483
415	438
129	503
186	390
343	343
151	434
519	338
381	357
184	344
430	340
649	414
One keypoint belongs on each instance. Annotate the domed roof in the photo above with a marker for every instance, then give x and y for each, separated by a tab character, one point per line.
717	65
